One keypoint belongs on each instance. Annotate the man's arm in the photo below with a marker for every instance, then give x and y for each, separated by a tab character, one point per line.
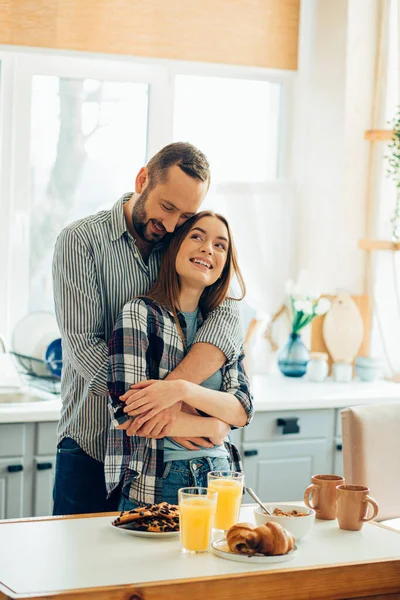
219	340
233	404
222	329
78	310
202	361
205	432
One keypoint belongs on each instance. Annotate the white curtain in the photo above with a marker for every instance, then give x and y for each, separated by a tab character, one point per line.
262	218
386	264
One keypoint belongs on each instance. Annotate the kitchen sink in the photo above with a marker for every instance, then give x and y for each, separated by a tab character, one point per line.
17	397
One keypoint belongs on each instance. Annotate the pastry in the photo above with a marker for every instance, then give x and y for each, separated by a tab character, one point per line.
269	539
156	518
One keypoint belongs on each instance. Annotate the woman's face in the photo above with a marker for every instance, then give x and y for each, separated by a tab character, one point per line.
203	253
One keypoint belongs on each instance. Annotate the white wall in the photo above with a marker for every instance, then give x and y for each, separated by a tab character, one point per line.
332	109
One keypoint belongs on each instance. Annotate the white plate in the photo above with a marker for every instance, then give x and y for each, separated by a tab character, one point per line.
221	549
148	534
31	337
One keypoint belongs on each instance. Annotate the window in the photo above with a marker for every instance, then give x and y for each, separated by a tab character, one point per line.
81	160
75	130
236	122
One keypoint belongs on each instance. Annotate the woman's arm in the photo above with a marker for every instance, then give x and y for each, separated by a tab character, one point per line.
127	348
233	404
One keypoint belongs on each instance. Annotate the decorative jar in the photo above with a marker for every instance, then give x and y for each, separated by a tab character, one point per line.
317	368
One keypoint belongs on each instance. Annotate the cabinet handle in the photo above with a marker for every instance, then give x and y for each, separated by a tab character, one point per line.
339	447
289	425
44	466
250	452
15	468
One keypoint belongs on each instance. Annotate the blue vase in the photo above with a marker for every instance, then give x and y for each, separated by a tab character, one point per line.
293	357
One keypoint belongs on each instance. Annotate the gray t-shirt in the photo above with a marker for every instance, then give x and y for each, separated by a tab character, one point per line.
173	450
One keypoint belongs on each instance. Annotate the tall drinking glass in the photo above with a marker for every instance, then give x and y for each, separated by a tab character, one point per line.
197	507
229	485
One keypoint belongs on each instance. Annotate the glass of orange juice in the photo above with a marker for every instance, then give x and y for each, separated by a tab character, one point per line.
197	506
229	485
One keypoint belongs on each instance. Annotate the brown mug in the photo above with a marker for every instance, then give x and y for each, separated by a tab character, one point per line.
323	495
352	502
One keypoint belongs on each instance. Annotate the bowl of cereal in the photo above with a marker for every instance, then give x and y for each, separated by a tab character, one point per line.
296	519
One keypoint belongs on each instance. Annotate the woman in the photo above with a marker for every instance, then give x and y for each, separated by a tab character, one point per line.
151	337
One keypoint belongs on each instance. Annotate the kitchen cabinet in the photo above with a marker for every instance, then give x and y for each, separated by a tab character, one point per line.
11	487
43	485
281	451
280	471
44	463
27	466
295	433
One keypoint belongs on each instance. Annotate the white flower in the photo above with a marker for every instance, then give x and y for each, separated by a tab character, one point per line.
289	287
314	292
322	306
304	306
305	289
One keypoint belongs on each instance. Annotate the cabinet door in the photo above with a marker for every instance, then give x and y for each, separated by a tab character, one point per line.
280	471
43	485
11	487
338	458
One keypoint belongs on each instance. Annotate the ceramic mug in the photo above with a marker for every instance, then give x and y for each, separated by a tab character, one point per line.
352	502
323	495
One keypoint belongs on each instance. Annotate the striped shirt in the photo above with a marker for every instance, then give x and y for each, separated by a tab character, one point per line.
97	268
146	345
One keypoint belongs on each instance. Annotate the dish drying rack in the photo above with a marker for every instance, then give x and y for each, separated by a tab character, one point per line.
28	367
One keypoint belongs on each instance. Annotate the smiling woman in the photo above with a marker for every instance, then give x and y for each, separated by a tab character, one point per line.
151	337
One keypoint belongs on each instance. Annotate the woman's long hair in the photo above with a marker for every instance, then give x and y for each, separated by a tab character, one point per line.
166	289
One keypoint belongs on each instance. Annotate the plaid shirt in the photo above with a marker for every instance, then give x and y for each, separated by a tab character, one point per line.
146	345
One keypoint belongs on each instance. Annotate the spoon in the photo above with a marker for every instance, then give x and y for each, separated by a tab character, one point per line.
257	499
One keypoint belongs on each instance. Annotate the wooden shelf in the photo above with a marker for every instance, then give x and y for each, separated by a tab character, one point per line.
378	245
379	135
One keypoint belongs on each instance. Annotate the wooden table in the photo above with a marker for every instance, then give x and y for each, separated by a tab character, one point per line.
85	558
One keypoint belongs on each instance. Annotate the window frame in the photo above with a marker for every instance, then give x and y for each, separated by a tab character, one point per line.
18	66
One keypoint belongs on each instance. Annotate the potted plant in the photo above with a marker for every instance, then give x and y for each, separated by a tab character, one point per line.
393	171
305	303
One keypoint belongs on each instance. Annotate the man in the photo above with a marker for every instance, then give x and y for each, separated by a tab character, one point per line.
100	263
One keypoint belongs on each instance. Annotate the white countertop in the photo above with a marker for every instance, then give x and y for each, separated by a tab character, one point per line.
72	554
47	407
277	392
271	392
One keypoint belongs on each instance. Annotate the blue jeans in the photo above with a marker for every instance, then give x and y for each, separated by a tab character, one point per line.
182	473
79	485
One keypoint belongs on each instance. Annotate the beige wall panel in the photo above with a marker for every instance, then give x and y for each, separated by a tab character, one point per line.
261	33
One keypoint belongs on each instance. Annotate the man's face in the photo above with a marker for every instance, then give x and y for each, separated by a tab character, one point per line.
166	206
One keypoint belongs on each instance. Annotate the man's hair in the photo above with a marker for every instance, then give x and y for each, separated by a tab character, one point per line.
186	156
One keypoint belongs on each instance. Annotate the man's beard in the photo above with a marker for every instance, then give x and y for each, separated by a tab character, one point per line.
140	221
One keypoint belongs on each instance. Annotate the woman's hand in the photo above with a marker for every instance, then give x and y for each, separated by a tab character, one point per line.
156	427
152	397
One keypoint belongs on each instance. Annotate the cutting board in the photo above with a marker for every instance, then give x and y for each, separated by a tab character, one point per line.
317	339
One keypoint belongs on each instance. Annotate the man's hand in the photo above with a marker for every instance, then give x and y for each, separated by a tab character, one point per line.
158	426
147	399
222	431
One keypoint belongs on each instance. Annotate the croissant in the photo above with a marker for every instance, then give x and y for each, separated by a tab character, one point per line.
270	538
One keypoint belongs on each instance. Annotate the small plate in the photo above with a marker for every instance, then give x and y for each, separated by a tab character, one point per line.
53	357
221	549
147	534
